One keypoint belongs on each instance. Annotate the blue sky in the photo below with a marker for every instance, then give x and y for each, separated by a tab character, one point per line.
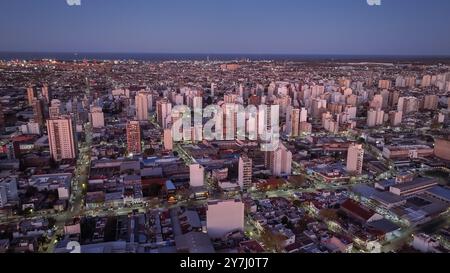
407	27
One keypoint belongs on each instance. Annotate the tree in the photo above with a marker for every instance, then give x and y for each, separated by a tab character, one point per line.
154	190
298	180
297	203
31	191
149	152
51	222
329	214
272	240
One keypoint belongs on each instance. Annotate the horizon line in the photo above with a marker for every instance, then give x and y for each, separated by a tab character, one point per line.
228	53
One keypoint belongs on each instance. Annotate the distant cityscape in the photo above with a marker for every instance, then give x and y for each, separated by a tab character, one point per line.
96	155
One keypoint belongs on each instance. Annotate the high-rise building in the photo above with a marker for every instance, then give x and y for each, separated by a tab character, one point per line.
143	101
168	140
408	105
279	161
303	115
318	107
97	117
294	122
134	137
377	102
305	128
61	138
31	95
442	148
223	217
46	94
384	84
163	112
410	82
395	118
2	117
55	109
426	81
430	102
38	111
230	98
213	89
245	172
355	158
375	118
196	175
385	94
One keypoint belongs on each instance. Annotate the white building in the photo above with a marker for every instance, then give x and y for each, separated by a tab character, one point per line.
355	157
164	112
142	105
168	140
196	175
61	138
279	161
223	217
375	117
424	243
97	117
245	172
31	128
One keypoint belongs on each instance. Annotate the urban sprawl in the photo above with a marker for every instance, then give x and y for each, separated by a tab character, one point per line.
90	160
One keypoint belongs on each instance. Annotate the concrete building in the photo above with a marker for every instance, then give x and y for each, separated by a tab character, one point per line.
142	100
46	94
168	140
31	95
223	217
8	191
38	111
384	84
97	117
442	148
293	122
395	118
408	105
55	109
430	102
31	128
375	117
134	137
407	151
425	243
416	186
355	158
61	138
245	172
163	112
196	175
59	181
279	161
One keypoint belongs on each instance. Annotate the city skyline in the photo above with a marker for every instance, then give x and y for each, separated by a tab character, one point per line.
224	127
347	27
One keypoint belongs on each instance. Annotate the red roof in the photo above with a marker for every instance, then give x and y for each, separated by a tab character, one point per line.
150	181
357	209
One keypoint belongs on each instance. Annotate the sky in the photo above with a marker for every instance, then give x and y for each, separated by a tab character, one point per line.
347	27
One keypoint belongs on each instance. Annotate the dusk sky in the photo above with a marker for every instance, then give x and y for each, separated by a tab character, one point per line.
407	27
